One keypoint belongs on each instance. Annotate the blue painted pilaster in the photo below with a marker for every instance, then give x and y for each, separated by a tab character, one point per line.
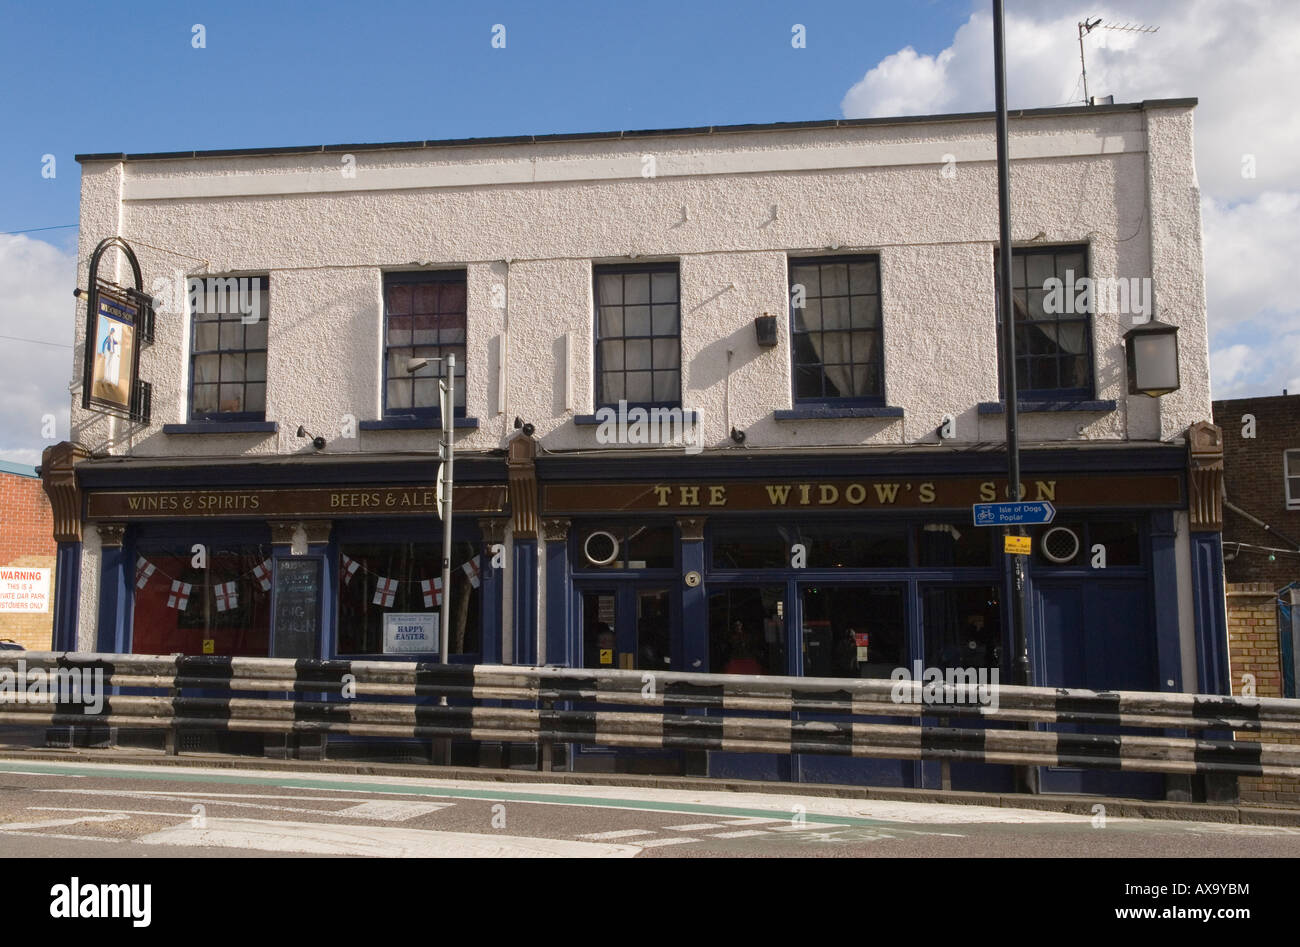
1164	599
1211	617
525	600
115	573
493	592
67	595
695	602
562	645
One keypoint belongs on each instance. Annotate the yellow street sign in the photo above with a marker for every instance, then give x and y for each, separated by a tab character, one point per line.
1017	545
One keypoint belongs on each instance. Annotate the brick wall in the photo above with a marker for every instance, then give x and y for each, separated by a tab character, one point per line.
1252	470
27	539
1254	648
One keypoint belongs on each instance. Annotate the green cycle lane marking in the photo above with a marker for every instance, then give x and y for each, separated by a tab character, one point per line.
689	808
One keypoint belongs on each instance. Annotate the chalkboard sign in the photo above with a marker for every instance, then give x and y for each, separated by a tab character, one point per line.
297	608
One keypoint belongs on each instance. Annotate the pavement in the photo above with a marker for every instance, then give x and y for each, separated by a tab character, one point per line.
76	804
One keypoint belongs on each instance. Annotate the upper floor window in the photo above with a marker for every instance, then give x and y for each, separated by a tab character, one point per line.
638	335
835	336
1053	341
1291	474
228	321
424	317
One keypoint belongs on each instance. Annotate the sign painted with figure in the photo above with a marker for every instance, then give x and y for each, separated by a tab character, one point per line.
24	590
410	633
112	374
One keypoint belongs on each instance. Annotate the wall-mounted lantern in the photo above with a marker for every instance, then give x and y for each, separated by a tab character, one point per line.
765	330
1152	351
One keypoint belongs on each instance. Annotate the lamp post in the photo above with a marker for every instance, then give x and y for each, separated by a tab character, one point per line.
446	453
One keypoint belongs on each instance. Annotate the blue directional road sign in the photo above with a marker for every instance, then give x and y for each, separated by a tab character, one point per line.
1013	514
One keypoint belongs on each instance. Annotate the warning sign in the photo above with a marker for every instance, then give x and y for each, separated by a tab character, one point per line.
24	590
1018	545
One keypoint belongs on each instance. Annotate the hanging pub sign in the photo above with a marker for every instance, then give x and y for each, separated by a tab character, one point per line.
119	321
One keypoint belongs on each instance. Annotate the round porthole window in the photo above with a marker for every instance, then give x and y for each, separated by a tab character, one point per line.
1060	544
600	548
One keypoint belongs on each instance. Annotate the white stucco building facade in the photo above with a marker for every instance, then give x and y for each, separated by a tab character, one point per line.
861	432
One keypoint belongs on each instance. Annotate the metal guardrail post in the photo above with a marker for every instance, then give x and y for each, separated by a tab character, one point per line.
546	750
171	738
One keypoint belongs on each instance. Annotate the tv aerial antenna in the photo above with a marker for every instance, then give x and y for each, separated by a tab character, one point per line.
1086	26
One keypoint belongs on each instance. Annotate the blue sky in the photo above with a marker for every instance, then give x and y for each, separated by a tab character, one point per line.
278	73
99	77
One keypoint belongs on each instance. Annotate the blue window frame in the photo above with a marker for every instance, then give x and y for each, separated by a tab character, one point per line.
424	317
1053	350
228	352
638	335
835	330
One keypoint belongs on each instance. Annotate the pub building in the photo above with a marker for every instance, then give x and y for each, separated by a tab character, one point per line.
795	327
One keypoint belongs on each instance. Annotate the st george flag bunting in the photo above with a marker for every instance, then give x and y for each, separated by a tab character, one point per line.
385	591
350	567
227	596
432	589
263	574
471	570
180	596
143	569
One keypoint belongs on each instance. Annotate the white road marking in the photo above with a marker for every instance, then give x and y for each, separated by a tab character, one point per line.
55	823
619	833
23	772
376	841
659	842
387	810
694	827
743	833
751	821
810	827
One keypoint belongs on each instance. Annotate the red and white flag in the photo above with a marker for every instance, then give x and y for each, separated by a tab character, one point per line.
180	596
432	589
227	595
350	567
263	574
471	570
143	569
385	592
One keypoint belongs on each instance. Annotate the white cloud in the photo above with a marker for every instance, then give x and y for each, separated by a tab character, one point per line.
1240	58
36	283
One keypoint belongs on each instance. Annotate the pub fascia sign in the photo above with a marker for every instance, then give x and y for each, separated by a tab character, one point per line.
119	322
895	493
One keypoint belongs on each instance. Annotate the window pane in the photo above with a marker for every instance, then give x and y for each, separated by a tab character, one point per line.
952	544
808	277
611	322
611	355
664	320
398	394
255	397
638	354
667	386
636	288
855	631
1122	541
637	320
1039	268
206	368
399	300
231	398
255	334
746	631
665	352
609	290
835	313
613	389
862	278
864	311
206	337
232	368
399	330
639	387
1042	373
835	279
663	287
425	392
205	398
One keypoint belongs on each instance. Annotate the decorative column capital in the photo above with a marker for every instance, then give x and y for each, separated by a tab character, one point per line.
493	529
59	480
1205	486
110	534
555	530
692	528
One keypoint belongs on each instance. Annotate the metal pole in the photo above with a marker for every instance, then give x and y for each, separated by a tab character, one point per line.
448	448
1023	674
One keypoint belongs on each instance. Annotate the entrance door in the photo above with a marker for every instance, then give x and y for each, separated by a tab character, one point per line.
626	626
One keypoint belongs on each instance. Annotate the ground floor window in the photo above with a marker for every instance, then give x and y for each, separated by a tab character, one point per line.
962	626
218	602
747	630
854	630
377	579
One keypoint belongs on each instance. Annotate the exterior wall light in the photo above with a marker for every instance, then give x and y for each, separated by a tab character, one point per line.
765	330
1152	353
